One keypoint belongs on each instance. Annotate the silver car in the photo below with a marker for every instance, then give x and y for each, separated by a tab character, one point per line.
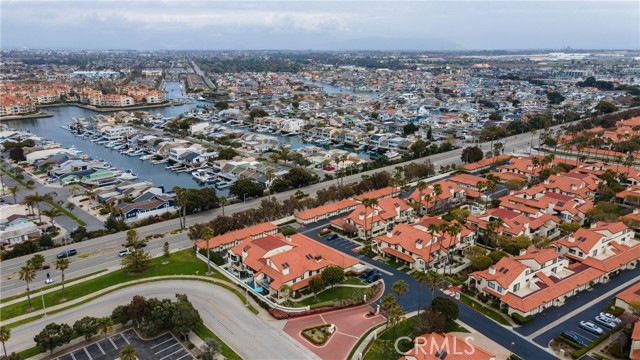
591	327
611	317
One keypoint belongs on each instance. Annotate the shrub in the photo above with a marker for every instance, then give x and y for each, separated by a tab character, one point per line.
616	311
573	344
578	353
521	319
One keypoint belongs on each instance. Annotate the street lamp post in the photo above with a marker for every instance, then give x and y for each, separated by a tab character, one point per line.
512	345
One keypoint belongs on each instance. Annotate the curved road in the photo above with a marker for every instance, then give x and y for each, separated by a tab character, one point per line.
250	336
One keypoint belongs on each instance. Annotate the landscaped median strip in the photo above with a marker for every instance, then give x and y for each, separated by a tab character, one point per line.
58	308
484	310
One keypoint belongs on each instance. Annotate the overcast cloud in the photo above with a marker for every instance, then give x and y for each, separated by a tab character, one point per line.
322	25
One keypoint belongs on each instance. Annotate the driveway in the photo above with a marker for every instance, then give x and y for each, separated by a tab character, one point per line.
350	325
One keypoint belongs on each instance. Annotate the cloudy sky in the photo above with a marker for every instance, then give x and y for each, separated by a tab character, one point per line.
322	25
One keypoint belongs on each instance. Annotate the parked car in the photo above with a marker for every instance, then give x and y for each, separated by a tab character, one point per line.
141	244
611	317
124	252
365	274
332	237
574	337
375	276
67	253
591	327
603	321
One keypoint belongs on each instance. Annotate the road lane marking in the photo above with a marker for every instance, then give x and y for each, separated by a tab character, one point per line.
171	354
156	345
100	347
167	348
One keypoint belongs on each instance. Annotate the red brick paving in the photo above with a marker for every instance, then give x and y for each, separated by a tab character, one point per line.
350	324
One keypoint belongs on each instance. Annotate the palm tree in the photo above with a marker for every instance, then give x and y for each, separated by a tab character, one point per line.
368	204
388	302
270	175
5	335
52	213
437	189
342	159
420	186
62	265
453	230
35	200
223	201
14	190
128	353
74	189
434	279
207	234
422	278
396	316
27	273
103	325
533	133
400	288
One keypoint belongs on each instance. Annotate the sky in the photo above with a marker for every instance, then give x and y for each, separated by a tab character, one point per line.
319	25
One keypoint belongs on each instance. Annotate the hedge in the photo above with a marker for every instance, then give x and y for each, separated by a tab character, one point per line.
578	353
319	327
569	342
616	311
521	319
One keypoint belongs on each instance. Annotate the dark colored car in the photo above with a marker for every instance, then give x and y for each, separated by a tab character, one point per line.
332	237
67	253
573	337
365	274
375	276
141	244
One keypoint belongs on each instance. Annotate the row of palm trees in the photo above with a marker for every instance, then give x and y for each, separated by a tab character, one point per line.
28	272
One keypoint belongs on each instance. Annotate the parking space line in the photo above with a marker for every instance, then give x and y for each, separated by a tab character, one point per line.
73	357
183	356
583	337
87	352
169	347
100	347
588	333
114	344
125	338
171	354
156	345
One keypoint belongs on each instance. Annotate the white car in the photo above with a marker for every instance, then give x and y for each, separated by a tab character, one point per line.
124	252
604	321
611	317
591	327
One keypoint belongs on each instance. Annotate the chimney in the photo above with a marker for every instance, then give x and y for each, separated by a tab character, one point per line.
419	244
593	225
571	238
546	181
244	252
523	252
492	270
550	208
361	216
574	187
389	234
285	269
397	207
529	167
288	238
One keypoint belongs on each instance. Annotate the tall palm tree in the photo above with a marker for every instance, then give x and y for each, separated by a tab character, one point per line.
400	288
453	230
422	278
52	213
434	279
420	186
437	189
5	335
207	234
396	316
62	265
27	274
14	190
223	201
270	175
128	353
368	204
104	324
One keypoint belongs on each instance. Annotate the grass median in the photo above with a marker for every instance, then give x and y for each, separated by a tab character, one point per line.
180	263
14	177
485	310
67	283
67	213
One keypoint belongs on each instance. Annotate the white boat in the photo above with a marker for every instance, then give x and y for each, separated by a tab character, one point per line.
392	154
137	153
147	157
128	175
203	176
223	184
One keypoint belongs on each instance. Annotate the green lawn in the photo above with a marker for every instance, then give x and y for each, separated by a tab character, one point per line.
66	213
394	264
353	281
485	310
383	347
180	263
204	332
337	293
11	175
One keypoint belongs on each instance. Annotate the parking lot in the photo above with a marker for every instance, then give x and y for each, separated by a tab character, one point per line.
584	336
163	347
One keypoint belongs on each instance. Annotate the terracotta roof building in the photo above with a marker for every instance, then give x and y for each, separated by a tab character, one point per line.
231	239
440	346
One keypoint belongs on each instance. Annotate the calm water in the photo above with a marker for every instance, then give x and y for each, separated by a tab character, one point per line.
50	128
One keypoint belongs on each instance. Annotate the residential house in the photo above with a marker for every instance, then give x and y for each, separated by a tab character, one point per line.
371	221
324	212
233	238
634	353
629	297
272	261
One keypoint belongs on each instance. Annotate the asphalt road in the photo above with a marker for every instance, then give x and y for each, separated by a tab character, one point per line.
250	336
104	247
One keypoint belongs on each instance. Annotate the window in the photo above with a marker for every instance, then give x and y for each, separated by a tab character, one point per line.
553	270
499	288
492	285
595	252
516	287
572	251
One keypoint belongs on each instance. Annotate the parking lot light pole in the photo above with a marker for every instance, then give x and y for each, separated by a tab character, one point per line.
512	345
